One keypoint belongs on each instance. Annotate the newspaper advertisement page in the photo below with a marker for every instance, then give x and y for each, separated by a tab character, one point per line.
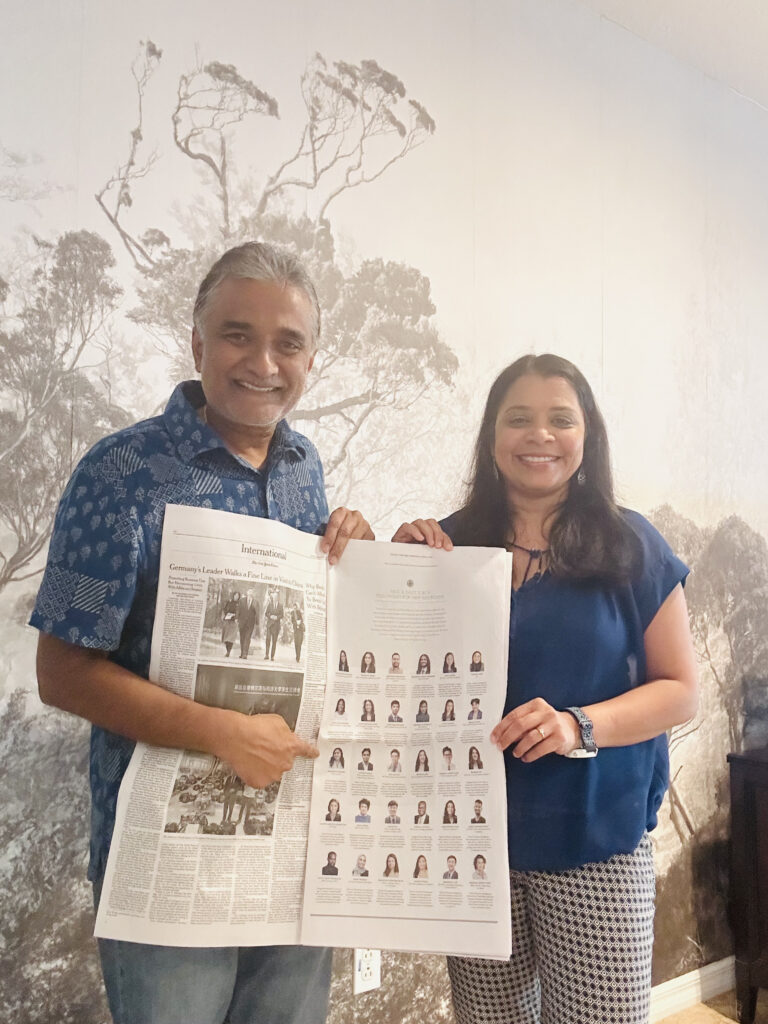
408	838
240	624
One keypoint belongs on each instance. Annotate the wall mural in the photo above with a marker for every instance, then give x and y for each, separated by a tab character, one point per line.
94	329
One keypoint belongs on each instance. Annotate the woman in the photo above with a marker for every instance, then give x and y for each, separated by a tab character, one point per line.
475	761
577	823
476	665
422	761
392	869
360	870
343	663
420	871
449	662
449	814
341	708
449	712
424	666
479	872
368	715
333	811
368	663
229	630
336	760
422	715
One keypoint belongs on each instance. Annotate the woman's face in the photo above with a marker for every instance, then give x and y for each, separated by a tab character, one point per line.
341	706
337	753
449	707
422	757
539	437
450	808
236	596
367	658
333	807
423	661
476	658
368	706
423	707
449	660
421	863
361	862
343	657
474	754
480	863
391	862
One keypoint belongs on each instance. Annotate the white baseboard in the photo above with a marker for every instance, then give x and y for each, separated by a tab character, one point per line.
689	989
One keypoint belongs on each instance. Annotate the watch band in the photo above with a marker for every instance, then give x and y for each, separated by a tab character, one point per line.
588	746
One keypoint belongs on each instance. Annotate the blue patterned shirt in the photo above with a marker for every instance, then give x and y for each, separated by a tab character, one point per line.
100	584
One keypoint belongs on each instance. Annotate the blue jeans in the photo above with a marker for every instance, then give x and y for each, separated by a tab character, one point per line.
246	985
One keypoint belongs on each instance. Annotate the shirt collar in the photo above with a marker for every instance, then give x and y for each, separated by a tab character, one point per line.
193	438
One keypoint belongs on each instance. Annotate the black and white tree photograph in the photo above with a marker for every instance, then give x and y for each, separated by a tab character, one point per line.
466	183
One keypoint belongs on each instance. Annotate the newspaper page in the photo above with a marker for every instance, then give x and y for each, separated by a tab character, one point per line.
408	838
240	624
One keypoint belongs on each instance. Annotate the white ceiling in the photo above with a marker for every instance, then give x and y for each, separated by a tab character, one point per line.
726	39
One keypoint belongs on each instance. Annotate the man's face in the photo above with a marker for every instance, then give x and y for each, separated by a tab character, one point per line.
478	808
364	805
332	859
395	756
392	810
254	352
395	661
422	808
366	756
451	863
395	707
448	755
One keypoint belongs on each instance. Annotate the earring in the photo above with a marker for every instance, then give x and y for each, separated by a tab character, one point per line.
581	477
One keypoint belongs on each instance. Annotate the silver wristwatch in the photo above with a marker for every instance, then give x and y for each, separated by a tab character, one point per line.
588	746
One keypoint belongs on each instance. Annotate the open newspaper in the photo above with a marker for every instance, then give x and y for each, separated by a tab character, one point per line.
394	663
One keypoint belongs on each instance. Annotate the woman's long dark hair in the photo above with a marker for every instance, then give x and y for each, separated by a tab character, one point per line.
590	538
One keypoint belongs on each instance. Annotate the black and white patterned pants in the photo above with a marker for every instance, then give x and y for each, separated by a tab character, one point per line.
581	949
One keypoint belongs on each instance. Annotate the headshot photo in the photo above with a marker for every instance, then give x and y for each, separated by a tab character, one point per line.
422	715
420	870
479	864
421	817
363	817
449	662
475	714
475	761
369	714
448	765
476	664
477	818
449	814
392	817
341	708
368	663
365	764
424	666
336	760
343	663
394	712
449	711
333	810
360	870
422	762
394	761
395	669
450	871
392	868
329	868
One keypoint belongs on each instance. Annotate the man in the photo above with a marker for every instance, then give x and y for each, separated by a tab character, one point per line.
364	817
421	817
392	818
478	818
273	617
394	715
297	623
365	765
360	870
394	668
330	867
247	621
475	713
451	872
448	765
222	442
394	762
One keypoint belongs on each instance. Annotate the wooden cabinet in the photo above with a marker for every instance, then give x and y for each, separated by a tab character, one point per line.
749	876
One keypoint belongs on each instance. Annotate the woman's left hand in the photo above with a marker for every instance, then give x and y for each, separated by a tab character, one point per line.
344	525
536	729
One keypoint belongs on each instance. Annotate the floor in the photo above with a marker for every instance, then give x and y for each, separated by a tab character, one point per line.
720	1010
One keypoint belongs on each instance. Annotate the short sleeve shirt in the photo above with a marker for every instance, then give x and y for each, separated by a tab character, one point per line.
574	644
100	582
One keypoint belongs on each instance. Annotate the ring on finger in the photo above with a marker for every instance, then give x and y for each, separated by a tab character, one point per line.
541	732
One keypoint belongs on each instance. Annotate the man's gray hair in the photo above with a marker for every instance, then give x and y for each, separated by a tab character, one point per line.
258	261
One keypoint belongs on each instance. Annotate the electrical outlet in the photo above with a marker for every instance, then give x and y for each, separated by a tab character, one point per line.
367	974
